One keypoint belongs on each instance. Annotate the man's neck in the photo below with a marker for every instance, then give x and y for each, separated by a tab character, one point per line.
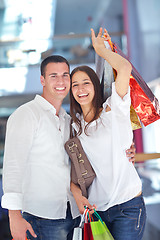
56	103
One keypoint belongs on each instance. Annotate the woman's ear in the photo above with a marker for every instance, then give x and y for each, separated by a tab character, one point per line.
42	80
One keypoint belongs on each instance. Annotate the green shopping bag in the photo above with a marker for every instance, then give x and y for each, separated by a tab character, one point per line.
100	230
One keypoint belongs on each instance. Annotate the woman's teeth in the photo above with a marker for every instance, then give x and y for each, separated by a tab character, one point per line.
82	95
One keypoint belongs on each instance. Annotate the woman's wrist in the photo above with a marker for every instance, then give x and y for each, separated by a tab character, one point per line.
75	190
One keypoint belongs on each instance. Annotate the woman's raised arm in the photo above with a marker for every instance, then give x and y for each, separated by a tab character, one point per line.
120	64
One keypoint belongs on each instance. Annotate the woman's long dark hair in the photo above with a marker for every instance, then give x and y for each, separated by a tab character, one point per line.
96	102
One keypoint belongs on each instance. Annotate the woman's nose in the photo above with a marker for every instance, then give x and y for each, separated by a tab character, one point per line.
80	88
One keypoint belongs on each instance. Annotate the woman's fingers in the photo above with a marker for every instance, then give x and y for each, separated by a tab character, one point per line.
100	32
106	35
92	34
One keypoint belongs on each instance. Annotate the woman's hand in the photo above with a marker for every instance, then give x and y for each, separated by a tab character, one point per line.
122	66
81	200
98	42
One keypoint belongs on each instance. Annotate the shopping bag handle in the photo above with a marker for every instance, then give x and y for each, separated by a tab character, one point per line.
95	213
98	216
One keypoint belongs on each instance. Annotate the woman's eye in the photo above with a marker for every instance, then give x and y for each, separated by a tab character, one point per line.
75	85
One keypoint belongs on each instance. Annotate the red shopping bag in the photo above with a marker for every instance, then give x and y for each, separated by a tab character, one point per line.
143	102
95	230
87	232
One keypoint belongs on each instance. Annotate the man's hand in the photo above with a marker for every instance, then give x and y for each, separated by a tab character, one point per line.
19	226
130	153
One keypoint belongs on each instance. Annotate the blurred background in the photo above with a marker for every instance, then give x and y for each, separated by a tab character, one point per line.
31	30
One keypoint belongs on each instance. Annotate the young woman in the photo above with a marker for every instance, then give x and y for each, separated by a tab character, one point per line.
105	133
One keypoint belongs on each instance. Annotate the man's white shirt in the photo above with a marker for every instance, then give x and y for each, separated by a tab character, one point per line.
36	168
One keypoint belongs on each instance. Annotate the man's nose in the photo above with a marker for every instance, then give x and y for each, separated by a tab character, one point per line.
60	80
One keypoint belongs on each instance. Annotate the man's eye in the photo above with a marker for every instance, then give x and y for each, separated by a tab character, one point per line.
75	85
65	75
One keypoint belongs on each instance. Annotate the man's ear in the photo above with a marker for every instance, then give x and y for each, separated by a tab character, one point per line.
42	80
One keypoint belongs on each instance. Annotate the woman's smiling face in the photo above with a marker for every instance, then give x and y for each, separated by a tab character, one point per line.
82	88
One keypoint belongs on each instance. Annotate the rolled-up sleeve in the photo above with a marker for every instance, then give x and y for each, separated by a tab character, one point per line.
120	114
120	106
19	136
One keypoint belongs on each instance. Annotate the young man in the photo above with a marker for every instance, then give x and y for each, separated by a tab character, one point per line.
36	170
36	173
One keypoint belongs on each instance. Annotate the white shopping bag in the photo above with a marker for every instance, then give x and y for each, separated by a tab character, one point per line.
77	235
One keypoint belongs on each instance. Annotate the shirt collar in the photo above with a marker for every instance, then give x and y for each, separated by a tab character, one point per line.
48	106
83	122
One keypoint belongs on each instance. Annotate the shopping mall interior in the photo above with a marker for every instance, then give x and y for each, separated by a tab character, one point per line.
31	30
